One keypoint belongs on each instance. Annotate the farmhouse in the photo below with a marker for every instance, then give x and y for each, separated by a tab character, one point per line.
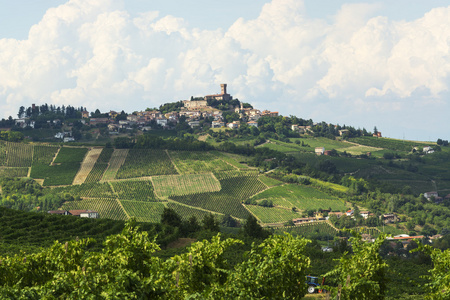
320	150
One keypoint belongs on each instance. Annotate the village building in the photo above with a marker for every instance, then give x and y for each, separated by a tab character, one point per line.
217	124
222	96
319	150
252	124
428	195
193	124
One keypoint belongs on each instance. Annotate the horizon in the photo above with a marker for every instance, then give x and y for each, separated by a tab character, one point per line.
342	62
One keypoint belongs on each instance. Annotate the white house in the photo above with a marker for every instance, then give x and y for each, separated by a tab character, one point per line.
320	150
253	123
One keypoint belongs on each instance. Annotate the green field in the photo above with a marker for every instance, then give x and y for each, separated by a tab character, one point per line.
386	143
178	185
137	190
229	199
100	166
198	162
302	197
186	211
144	211
19	154
272	214
146	162
13	172
308	229
64	168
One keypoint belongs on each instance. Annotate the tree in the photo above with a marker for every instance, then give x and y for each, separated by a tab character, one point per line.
362	274
276	269
210	223
375	130
439	279
253	229
170	217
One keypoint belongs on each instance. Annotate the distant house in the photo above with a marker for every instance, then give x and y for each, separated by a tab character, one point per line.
233	125
59	212
84	213
428	150
343	131
85	114
378	134
95	121
68	139
253	124
320	150
294	127
428	195
161	121
194	124
217	124
389	218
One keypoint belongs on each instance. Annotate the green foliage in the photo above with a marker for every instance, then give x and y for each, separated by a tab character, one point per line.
274	270
362	275
439	280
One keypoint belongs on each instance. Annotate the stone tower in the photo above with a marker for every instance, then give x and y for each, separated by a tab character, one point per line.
223	87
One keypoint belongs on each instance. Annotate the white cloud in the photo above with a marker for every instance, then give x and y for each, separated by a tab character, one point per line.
356	66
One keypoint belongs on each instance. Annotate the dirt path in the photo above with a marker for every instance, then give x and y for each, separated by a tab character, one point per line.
87	165
171	160
118	201
117	159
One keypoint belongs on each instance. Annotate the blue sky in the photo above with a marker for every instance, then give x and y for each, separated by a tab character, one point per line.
365	64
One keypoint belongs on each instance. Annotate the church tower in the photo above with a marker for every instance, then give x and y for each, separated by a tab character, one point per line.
223	87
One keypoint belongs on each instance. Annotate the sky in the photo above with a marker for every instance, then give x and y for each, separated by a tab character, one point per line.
364	64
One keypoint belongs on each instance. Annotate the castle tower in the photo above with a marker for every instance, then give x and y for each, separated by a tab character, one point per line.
223	87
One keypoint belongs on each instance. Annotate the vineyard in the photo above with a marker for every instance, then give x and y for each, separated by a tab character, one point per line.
146	162
117	159
186	212
89	190
13	172
107	208
144	211
100	166
3	155
192	162
138	190
179	185
308	229
64	169
272	214
302	197
19	155
229	199
87	165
